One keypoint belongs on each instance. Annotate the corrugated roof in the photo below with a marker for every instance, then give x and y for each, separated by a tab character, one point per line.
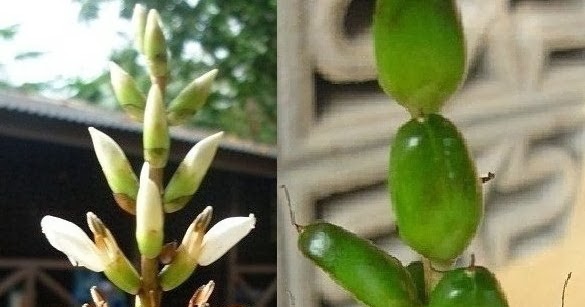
83	113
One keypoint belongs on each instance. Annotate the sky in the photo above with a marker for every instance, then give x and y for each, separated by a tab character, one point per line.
71	48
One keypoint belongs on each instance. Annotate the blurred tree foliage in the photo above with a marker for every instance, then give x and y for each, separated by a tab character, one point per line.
7	34
237	37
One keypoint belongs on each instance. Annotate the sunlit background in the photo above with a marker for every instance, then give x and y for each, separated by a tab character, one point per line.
61	49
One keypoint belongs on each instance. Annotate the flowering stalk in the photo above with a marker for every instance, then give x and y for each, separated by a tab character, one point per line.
148	199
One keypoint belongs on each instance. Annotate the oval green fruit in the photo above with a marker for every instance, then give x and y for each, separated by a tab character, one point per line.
417	273
434	187
420	52
372	276
464	287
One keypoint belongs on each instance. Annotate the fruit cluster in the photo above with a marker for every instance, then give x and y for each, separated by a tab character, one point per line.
434	187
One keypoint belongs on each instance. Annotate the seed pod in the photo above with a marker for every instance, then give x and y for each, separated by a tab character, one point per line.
473	286
420	52
416	271
434	187
372	276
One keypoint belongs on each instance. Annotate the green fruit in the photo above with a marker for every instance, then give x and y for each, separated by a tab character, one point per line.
420	52
435	190
417	273
474	286
372	276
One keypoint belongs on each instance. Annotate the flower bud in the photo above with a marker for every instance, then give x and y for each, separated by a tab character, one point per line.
156	140
202	294
223	236
127	93
185	260
155	47
190	173
139	24
118	268
98	298
190	99
149	216
117	169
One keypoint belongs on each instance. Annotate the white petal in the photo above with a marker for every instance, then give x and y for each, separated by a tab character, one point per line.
223	236
73	242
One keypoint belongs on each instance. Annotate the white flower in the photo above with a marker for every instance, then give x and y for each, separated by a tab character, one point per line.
73	242
223	236
198	247
102	254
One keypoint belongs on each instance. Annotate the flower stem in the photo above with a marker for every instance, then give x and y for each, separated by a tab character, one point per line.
150	294
433	272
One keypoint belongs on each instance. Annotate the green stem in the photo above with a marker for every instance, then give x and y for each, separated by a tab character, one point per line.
433	272
150	294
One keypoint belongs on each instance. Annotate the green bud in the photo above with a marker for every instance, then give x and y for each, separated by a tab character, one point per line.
139	24
190	99
116	168
190	173
155	47
156	140
127	93
185	260
118	268
149	216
